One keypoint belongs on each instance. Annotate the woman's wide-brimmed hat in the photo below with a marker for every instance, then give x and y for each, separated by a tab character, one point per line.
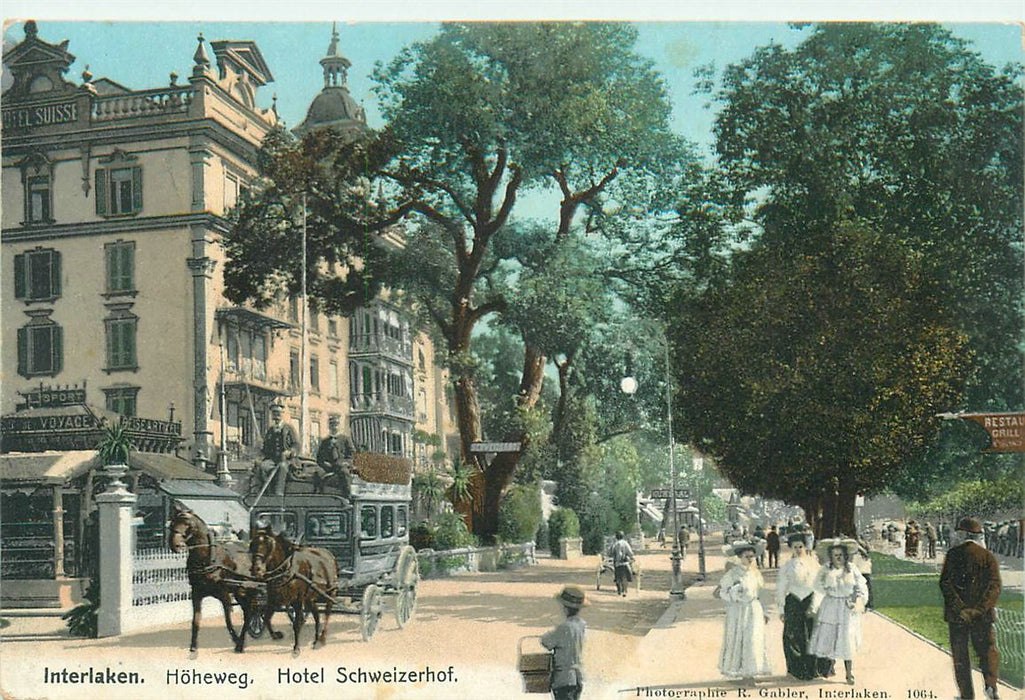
738	547
796	537
573	597
824	547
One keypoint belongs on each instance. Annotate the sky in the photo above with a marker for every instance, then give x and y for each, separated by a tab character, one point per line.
142	54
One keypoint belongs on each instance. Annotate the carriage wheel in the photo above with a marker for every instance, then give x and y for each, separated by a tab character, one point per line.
370	611
407	572
256	626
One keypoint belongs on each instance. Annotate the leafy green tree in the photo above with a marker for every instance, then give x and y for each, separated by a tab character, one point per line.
814	375
905	128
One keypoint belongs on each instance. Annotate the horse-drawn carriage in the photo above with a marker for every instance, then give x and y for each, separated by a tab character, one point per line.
366	536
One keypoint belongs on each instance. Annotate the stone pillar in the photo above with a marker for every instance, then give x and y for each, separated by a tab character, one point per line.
202	269
116	506
58	531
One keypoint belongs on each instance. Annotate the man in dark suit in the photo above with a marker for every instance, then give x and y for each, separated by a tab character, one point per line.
334	459
970	583
280	444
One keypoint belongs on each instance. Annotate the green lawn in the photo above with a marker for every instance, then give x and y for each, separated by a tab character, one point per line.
915	601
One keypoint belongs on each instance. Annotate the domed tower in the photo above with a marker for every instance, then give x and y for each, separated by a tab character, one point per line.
334	107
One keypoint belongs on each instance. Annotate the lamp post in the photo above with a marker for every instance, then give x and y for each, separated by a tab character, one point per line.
629	386
699	463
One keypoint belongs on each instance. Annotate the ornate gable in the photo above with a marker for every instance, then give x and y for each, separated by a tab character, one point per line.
37	68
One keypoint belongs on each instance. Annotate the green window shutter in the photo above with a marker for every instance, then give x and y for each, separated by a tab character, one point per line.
57	345
19	277
127	271
136	188
108	328
55	273
109	265
23	352
101	192
129	342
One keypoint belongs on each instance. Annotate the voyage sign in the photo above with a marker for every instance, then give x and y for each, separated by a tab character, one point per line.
1006	430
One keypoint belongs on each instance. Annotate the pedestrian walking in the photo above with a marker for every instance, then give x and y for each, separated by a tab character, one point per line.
743	655
567	641
930	540
911	540
683	539
837	631
622	557
795	592
772	546
970	582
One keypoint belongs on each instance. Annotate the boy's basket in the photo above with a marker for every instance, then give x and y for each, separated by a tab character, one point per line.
535	668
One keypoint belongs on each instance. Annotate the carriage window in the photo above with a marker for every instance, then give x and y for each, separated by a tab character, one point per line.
280	522
331	526
387	521
401	519
368	522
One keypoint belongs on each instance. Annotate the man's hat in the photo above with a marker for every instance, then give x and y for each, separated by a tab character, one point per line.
970	525
334	420
277	405
572	597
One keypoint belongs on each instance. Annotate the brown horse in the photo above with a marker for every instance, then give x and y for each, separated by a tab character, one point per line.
296	576
215	570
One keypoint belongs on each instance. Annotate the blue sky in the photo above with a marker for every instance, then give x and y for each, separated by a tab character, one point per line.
142	54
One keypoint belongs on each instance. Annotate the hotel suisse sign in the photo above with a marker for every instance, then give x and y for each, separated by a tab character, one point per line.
40	115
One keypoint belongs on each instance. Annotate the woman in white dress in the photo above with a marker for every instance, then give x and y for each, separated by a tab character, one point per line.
843	592
743	652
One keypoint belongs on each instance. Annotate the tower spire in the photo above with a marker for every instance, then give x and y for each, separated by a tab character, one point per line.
335	64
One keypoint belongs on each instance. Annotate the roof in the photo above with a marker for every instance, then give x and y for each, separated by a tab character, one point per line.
199	489
335	108
58	467
45	467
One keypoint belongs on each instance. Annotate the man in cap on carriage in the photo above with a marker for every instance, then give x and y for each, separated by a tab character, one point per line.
567	641
970	582
334	459
280	443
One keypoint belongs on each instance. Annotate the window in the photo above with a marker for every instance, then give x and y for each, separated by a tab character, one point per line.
332	378
37	275
40	351
293	310
314	319
119	190
401	521
314	431
332	327
293	368
330	526
120	259
368	522
37	199
121	327
240	424
122	400
279	521
314	373
387	521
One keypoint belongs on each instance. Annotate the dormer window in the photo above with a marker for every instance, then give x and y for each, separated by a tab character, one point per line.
37	178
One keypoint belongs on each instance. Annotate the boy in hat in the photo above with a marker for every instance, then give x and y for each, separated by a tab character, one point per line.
970	582
567	641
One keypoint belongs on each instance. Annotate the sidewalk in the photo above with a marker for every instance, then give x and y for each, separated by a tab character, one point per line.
681	654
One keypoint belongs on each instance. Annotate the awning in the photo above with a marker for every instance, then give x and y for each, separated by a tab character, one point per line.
653	513
216	505
165	466
45	467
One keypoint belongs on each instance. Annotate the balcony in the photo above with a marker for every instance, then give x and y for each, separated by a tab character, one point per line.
380	344
254	374
399	406
142	103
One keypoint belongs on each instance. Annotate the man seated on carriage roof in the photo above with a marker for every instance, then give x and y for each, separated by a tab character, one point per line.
280	444
334	459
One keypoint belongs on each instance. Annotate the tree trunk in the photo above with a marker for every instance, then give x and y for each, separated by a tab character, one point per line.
499	473
846	524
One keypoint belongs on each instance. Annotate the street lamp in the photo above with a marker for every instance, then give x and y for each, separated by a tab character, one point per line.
629	386
699	463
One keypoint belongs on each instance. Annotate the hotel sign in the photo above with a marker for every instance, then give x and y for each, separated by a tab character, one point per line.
46	397
151	426
40	115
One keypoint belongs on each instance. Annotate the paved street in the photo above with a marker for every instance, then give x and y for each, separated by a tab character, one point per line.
472	622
